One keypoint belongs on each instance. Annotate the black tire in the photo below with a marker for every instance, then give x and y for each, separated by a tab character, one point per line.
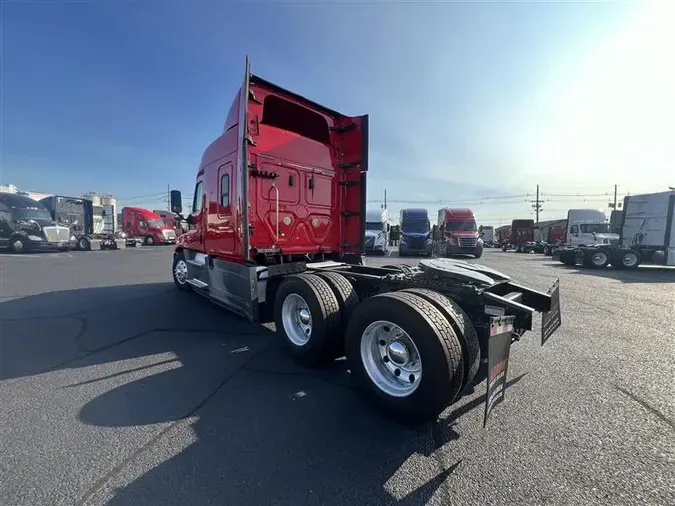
17	245
325	338
439	351
547	251
619	259
597	258
567	257
478	255
149	241
182	285
347	300
461	324
503	247
83	244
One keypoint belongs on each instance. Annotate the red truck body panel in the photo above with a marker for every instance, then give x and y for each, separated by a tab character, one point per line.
290	171
556	234
504	235
139	222
522	232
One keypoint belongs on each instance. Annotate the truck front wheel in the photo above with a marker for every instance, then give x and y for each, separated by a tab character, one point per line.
404	356
307	315
83	244
180	272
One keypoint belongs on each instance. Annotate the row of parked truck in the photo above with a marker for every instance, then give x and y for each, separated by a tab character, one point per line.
454	233
642	232
62	223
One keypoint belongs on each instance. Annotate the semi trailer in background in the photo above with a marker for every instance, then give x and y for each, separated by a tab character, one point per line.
376	235
27	225
487	234
521	238
457	233
145	227
415	233
646	235
91	226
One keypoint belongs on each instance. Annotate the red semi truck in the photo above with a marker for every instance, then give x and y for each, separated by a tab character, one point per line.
522	237
145	226
277	232
457	233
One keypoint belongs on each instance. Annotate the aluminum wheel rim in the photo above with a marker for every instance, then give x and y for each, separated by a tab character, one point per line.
629	259
180	272
17	246
297	319
150	240
600	258
391	358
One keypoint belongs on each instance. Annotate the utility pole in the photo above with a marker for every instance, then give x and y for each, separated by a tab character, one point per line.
168	197
613	205
385	198
536	205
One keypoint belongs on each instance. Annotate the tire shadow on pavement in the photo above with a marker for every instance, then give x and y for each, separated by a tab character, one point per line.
186	403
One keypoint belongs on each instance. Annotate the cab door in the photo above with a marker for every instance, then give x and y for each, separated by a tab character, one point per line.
220	235
194	237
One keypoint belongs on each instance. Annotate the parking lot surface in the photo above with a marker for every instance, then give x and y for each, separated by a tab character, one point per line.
117	389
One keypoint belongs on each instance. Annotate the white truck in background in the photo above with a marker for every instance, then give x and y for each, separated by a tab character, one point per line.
377	232
647	235
487	233
586	227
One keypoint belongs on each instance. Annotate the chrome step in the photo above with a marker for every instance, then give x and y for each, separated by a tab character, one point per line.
197	283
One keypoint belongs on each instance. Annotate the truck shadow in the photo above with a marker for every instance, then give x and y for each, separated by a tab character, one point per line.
643	274
262	429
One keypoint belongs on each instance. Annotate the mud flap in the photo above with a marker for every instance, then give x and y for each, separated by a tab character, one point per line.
499	347
551	320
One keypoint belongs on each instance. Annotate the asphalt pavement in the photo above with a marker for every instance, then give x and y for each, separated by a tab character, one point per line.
117	389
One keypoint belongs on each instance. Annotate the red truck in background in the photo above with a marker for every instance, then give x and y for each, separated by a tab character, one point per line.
143	225
503	235
555	237
277	232
457	234
522	237
171	221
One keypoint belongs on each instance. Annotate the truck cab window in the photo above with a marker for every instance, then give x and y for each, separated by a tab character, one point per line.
225	190
574	230
199	193
286	115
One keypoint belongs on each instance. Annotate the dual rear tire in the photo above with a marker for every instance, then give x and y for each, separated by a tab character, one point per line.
411	353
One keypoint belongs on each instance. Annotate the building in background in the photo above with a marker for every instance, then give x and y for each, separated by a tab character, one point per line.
10	188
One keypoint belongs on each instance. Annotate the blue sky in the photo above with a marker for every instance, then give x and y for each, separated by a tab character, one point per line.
123	96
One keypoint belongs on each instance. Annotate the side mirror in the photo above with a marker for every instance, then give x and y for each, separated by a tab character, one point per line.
176	202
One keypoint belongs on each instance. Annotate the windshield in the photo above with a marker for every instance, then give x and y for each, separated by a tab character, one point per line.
415	226
374	225
155	223
598	228
469	226
31	213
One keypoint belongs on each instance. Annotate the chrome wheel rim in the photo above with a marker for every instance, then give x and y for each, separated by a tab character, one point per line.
629	259
599	258
391	358
180	272
297	319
